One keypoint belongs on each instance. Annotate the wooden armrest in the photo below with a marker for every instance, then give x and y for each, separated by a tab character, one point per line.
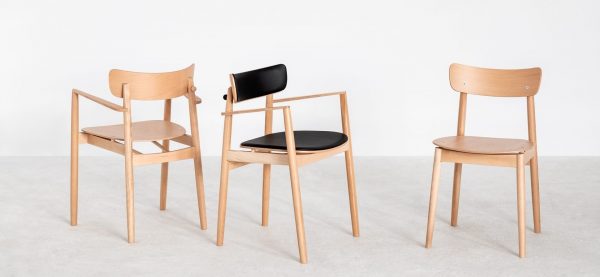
198	99
100	101
307	96
256	110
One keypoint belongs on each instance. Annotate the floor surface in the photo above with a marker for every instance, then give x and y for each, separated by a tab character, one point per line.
37	240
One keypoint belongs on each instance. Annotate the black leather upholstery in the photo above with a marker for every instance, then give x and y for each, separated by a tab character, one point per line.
260	82
305	140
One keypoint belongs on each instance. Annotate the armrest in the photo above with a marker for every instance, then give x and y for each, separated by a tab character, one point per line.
100	101
198	99
256	110
307	96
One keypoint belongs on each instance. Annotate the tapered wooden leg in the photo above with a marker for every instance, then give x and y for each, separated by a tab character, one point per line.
521	203
297	199
200	190
74	156
535	194
352	192
455	193
128	142
222	201
129	195
265	194
435	180
164	175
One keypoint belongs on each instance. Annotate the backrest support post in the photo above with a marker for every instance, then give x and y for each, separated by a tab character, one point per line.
531	120
462	113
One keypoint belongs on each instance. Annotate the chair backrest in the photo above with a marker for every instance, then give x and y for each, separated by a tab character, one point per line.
151	86
495	82
259	82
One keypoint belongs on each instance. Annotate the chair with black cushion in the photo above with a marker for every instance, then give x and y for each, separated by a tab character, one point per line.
121	137
291	148
515	153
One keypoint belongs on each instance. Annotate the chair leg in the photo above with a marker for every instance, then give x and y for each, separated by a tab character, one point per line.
265	194
352	193
535	194
455	193
129	194
435	180
74	157
222	201
521	203
164	175
297	199
200	191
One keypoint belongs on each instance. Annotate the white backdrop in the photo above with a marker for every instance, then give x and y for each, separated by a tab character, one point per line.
391	56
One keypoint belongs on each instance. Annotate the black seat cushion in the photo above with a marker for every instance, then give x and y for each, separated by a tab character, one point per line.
305	140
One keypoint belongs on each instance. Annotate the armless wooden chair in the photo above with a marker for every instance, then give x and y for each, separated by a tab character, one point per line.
120	138
291	148
516	153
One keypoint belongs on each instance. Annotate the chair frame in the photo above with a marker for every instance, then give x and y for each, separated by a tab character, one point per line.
518	161
134	157
232	159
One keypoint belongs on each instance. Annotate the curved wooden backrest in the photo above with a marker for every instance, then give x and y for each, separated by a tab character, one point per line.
151	86
258	82
495	82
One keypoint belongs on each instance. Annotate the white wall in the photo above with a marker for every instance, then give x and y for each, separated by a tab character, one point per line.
392	57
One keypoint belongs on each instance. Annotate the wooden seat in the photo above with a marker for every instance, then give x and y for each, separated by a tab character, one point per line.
483	145
151	130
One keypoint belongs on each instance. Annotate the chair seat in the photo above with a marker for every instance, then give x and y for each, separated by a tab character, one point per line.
304	140
483	145
151	130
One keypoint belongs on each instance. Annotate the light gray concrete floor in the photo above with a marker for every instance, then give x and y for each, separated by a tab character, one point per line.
36	238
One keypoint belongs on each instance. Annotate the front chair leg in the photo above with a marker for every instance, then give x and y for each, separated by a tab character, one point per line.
535	194
435	180
74	156
297	199
200	190
129	195
521	203
352	192
455	193
222	201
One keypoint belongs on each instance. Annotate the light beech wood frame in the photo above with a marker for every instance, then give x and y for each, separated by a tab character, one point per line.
167	86
232	159
499	83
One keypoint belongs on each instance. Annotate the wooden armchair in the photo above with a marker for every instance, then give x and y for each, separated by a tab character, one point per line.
291	148
120	138
516	153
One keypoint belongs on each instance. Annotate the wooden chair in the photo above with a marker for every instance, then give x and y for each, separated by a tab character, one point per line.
291	148
120	138
517	153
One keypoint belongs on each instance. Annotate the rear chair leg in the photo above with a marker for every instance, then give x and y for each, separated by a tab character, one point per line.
352	192
455	193
265	194
74	156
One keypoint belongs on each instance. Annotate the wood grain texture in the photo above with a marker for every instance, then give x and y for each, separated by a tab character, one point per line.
484	145
150	130
495	82
151	86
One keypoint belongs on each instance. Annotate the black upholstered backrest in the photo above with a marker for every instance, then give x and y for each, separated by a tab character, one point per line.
259	82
